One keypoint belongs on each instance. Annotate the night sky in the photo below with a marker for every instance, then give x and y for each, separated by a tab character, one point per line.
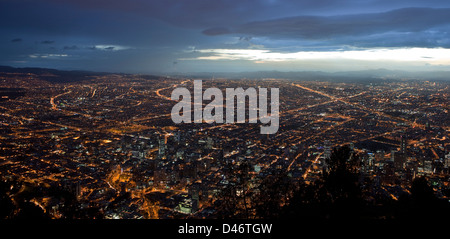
176	36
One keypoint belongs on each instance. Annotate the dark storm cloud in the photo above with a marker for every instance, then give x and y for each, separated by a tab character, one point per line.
16	40
216	13
191	13
318	27
216	31
132	22
156	33
73	47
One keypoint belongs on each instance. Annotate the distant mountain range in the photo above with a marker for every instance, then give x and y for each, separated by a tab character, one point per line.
63	76
53	75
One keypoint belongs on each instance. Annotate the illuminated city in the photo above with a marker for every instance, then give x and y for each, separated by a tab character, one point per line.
255	110
109	142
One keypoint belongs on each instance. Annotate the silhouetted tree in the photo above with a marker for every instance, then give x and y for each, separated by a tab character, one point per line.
17	202
30	211
341	183
335	195
422	203
228	205
421	191
6	205
274	191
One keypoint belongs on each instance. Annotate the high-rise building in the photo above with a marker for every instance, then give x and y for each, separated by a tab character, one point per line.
399	160
403	144
209	143
326	155
327	149
388	172
447	163
162	148
427	166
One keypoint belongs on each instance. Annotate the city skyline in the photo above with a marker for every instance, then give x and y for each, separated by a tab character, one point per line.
99	145
223	109
225	36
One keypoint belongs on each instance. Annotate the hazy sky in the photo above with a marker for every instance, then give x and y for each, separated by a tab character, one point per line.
166	36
